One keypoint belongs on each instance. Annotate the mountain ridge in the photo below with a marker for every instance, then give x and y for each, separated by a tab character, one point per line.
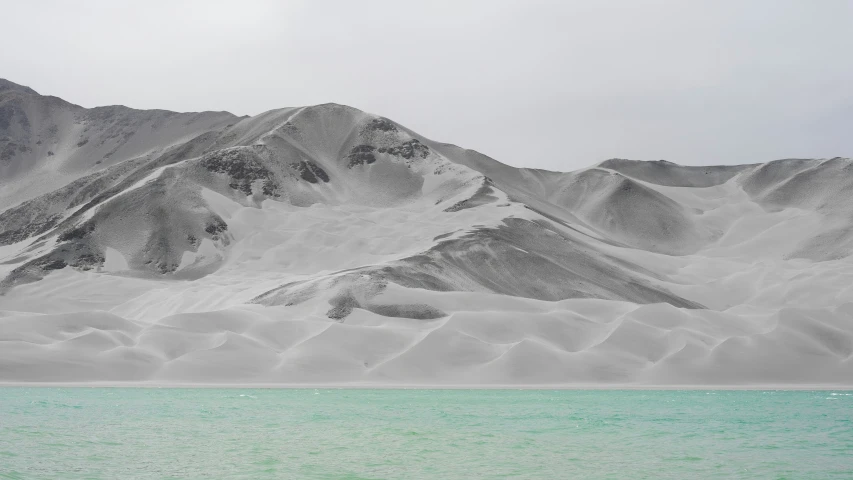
327	244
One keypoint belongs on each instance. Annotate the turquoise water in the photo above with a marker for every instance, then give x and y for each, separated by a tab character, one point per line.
142	433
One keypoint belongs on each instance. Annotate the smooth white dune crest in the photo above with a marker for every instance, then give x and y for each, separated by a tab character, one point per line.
325	245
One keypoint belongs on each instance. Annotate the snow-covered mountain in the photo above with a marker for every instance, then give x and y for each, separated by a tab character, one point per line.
324	244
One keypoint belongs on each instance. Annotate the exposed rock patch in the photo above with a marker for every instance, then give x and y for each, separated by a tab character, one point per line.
361	155
77	233
215	227
81	256
382	125
37	227
407	150
310	172
240	166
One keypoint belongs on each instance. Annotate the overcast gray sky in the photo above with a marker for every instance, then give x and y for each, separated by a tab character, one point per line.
548	84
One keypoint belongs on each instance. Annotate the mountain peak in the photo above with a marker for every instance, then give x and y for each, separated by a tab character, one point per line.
6	85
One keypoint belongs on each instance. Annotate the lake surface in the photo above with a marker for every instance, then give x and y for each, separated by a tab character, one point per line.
150	433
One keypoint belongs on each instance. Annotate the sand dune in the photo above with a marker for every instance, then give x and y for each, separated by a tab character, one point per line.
324	244
531	342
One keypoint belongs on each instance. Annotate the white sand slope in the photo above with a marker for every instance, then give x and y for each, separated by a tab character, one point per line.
326	245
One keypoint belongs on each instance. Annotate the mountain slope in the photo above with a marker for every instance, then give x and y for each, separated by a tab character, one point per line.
46	142
326	244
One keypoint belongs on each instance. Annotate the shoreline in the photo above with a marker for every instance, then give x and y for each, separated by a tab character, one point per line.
360	386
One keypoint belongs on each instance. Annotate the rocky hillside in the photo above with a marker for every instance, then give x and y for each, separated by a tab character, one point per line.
326	244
